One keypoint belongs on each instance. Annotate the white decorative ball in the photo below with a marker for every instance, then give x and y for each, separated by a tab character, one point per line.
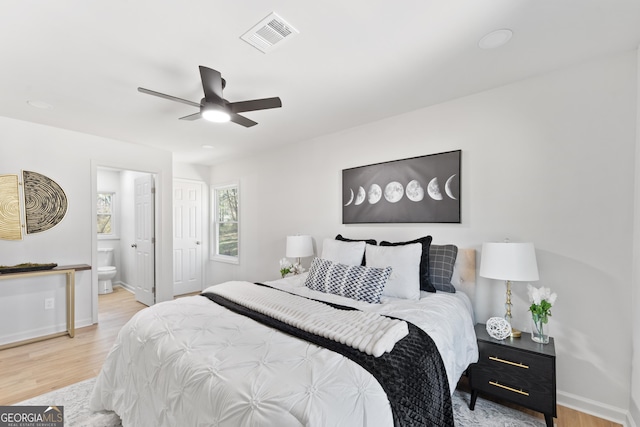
498	328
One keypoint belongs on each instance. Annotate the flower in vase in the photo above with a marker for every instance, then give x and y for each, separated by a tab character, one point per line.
285	267
541	302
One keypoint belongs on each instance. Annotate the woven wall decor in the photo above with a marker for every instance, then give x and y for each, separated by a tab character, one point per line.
45	203
9	208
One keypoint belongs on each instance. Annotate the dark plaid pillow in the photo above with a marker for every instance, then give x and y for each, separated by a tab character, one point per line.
442	258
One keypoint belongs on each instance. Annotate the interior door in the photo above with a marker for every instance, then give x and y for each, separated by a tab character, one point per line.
187	236
145	240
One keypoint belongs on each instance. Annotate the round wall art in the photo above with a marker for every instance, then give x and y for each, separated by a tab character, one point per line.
45	203
498	328
9	208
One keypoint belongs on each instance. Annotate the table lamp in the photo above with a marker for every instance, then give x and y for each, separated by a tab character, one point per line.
299	247
511	262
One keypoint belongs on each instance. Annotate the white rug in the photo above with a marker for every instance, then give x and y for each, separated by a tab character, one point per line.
75	399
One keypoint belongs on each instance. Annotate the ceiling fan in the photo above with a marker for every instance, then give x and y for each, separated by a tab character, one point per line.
213	106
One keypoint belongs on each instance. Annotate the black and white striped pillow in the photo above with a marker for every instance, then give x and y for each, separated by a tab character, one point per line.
352	281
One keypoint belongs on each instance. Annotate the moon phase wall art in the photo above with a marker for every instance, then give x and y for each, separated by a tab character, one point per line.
419	189
45	204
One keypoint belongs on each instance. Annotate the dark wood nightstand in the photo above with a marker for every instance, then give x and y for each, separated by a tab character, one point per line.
516	369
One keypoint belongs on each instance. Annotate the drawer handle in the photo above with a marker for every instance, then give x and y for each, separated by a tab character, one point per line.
497	359
515	390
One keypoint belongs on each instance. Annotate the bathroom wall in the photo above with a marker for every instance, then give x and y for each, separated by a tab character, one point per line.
108	181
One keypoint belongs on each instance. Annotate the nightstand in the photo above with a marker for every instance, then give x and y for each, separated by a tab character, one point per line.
518	370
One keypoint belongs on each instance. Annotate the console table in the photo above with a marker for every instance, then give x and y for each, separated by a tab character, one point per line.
70	272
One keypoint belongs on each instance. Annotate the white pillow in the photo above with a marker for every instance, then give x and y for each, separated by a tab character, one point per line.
404	261
347	253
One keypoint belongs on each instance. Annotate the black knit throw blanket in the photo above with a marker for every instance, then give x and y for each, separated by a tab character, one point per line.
412	374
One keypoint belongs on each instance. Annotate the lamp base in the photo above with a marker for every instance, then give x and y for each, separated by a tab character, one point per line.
515	333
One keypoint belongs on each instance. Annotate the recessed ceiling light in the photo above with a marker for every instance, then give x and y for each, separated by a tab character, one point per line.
40	104
208	147
495	39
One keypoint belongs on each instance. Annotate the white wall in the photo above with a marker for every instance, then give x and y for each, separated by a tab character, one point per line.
634	400
193	172
548	160
71	159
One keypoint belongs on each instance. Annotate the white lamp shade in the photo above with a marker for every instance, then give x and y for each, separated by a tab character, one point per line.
509	261
299	246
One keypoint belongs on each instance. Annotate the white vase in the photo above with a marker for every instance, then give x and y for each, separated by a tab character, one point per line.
539	330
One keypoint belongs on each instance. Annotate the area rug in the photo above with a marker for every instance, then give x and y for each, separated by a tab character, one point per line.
75	399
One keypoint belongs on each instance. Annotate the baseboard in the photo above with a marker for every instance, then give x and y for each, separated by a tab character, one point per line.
591	407
126	286
42	332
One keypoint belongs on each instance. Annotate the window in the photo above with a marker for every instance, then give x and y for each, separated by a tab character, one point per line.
106	221
226	228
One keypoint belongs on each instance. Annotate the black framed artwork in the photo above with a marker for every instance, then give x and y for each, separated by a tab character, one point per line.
419	189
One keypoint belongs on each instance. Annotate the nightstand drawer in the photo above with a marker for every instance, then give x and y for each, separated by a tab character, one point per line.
536	395
503	358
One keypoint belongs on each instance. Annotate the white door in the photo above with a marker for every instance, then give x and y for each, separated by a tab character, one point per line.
145	240
187	237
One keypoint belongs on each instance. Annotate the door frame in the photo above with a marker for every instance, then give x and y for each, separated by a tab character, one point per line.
95	164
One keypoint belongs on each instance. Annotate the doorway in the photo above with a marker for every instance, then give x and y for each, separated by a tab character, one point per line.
131	236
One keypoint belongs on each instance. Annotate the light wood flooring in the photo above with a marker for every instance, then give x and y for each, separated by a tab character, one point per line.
37	368
33	369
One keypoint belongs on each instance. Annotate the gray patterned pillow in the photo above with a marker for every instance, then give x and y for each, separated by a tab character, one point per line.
352	281
442	258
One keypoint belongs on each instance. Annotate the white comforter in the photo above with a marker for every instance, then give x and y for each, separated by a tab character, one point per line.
190	362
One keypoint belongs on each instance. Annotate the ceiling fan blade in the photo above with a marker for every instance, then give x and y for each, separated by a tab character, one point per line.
241	120
211	84
194	116
255	104
169	97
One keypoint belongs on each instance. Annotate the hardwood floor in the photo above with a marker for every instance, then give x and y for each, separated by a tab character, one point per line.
37	368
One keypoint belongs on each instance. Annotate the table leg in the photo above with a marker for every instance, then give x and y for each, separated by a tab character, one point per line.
474	396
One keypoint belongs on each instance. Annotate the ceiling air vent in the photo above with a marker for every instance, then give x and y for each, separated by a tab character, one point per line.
269	33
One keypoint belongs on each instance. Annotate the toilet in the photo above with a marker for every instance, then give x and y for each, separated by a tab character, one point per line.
106	270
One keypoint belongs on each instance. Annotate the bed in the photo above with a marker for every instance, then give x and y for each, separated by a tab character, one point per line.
201	360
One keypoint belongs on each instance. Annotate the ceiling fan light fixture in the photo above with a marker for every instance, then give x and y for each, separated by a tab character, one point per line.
215	113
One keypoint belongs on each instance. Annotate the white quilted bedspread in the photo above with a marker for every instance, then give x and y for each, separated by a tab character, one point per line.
190	362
